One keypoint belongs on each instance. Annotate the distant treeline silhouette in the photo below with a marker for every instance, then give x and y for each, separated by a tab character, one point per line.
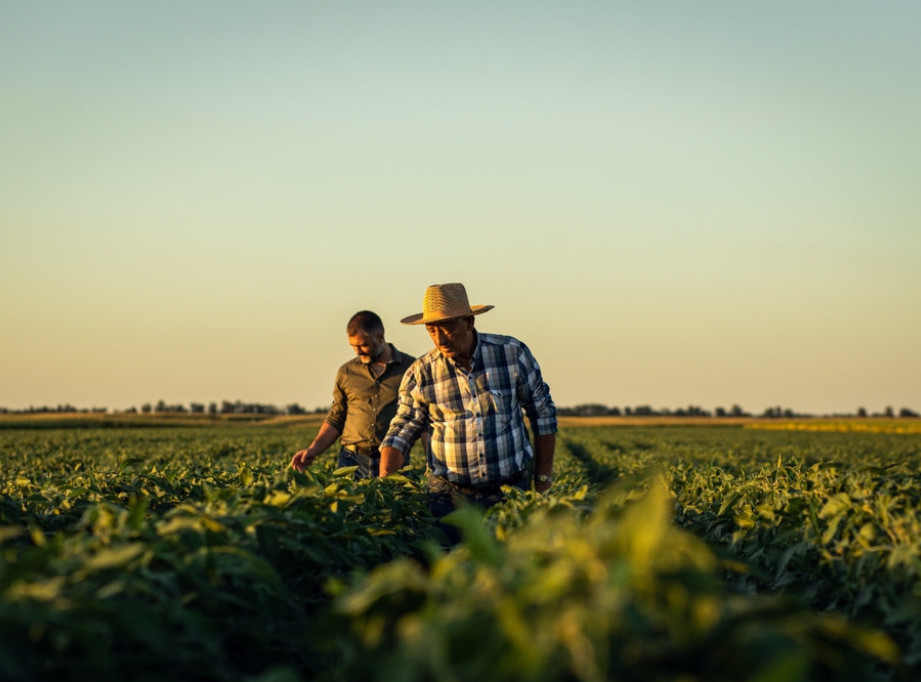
226	407
600	410
161	407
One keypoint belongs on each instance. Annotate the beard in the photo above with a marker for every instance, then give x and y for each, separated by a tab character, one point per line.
373	356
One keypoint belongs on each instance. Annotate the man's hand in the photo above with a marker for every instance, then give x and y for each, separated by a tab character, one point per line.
543	461
326	436
542	486
303	459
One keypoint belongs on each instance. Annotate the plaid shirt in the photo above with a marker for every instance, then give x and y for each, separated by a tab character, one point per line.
478	435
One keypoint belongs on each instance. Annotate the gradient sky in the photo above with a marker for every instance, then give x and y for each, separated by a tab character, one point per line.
671	203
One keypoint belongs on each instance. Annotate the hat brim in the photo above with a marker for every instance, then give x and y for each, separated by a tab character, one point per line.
419	318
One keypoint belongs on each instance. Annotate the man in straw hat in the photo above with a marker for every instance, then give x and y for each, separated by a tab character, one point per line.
364	399
468	393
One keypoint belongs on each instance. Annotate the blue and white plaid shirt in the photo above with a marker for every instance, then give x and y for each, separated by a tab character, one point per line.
478	435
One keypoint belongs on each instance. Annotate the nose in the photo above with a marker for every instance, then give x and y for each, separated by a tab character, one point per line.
438	336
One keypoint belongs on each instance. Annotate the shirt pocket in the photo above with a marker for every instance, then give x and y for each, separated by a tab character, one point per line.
498	405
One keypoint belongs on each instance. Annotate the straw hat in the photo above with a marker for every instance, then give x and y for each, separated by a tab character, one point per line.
444	302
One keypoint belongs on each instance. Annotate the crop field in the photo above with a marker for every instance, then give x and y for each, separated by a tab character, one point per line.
662	552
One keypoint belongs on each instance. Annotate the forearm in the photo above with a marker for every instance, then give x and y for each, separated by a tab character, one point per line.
544	447
325	437
405	428
392	460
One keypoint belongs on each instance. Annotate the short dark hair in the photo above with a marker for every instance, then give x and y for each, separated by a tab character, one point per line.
364	321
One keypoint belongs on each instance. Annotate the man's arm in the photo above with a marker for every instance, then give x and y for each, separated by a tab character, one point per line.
405	427
391	460
324	438
330	429
544	447
538	405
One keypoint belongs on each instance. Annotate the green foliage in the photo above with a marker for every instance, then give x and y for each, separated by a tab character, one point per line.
179	554
619	593
686	553
829	517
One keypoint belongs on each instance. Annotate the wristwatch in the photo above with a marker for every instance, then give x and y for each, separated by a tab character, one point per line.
543	478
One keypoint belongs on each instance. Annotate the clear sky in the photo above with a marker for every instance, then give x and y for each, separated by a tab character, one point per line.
671	203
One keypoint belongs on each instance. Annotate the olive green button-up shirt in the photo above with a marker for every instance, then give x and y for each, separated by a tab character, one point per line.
363	404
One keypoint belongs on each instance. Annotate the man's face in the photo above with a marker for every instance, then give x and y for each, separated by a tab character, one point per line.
453	338
368	347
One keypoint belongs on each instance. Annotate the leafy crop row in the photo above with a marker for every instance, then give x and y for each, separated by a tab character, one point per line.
185	554
830	517
193	553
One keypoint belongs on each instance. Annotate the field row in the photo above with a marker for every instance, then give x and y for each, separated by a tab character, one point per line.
831	517
662	553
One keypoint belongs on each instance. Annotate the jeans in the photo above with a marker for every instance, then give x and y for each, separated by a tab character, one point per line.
444	497
368	466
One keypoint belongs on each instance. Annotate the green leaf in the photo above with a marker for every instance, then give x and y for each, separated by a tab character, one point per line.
836	505
113	557
483	547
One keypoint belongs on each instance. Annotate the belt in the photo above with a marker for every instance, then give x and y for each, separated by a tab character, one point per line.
366	450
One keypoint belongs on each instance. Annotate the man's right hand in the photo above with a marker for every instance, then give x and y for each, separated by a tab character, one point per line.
303	459
324	438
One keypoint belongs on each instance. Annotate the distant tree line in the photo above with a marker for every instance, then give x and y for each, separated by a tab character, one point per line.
162	407
226	407
599	410
55	410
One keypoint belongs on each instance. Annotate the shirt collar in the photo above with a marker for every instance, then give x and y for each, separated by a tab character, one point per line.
395	355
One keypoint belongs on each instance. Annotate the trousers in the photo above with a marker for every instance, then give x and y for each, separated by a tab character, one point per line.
445	496
369	466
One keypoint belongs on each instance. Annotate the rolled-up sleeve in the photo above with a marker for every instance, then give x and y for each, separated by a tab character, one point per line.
339	409
411	417
534	395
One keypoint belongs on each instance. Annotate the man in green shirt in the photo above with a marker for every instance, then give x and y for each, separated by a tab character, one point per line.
364	399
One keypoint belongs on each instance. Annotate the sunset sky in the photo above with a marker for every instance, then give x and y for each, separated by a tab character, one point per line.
671	203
